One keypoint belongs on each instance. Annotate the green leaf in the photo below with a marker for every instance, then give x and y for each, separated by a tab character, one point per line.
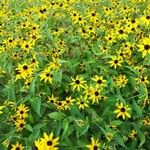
58	75
119	140
142	138
65	127
28	127
36	105
55	115
116	122
137	109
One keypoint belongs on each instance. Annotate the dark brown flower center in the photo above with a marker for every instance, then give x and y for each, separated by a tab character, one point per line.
99	81
96	93
82	103
77	82
25	67
93	14
27	46
17	148
21	112
116	61
146	46
21	125
123	109
95	148
49	143
121	31
147	17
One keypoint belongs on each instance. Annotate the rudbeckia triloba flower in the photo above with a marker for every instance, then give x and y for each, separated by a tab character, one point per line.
47	75
20	124
144	46
115	62
122	111
22	111
121	81
94	95
82	102
133	135
49	142
23	71
68	102
17	146
77	83
95	144
100	82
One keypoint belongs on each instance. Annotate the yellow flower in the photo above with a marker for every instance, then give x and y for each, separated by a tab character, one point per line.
68	102
1	107
100	82
17	146
143	80
20	124
121	81
23	71
52	99
22	111
27	45
49	142
115	62
95	144
122	111
47	75
94	95
144	46
133	134
82	102
77	83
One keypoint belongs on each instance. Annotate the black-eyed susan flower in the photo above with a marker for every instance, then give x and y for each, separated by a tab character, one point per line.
144	46
95	144
68	102
77	83
23	71
49	142
133	135
122	110
52	99
82	102
27	46
20	124
146	121
121	81
115	62
47	75
99	80
17	146
22	111
142	80
94	95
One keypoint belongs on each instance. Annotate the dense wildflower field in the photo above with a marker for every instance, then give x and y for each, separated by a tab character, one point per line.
74	74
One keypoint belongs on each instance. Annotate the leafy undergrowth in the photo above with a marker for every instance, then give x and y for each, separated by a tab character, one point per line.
74	74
